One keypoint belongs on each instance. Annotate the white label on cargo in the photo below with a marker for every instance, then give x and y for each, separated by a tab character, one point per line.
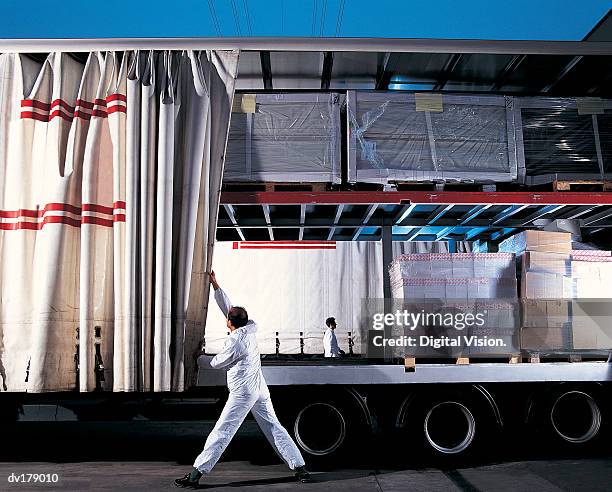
589	105
428	102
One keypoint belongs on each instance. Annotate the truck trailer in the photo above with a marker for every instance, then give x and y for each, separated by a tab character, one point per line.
114	199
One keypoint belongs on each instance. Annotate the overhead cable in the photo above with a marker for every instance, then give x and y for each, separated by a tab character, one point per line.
215	20
340	17
236	19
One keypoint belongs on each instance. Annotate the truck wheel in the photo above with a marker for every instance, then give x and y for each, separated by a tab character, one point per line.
451	427
571	417
329	429
320	428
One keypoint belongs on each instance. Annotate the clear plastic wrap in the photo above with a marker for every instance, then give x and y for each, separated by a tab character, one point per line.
454	276
289	137
482	284
390	140
558	140
564	136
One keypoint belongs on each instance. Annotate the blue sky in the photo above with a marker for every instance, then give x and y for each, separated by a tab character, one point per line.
466	19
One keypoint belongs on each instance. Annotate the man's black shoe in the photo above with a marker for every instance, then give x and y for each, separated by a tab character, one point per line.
302	475
186	482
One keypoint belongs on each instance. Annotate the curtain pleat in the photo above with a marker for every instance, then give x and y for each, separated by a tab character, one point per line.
110	175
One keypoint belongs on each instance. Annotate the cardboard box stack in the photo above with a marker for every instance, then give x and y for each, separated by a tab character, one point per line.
554	278
463	282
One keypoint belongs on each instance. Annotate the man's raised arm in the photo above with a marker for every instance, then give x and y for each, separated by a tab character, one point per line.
220	296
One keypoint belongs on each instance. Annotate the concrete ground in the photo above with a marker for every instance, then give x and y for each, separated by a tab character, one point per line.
542	476
150	455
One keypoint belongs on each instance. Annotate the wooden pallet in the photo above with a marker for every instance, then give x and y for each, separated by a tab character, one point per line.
410	363
268	186
535	357
428	186
582	185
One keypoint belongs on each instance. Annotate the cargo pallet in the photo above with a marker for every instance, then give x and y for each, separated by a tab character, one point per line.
276	187
582	185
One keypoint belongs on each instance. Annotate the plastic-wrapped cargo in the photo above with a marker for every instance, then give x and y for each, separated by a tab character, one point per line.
413	137
476	284
284	137
455	276
563	137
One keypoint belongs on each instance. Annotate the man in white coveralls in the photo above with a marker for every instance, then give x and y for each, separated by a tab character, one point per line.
248	392
330	342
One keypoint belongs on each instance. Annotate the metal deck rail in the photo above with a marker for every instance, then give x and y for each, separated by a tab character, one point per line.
413	215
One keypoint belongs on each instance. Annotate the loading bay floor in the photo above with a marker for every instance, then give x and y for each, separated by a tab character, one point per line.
148	456
548	475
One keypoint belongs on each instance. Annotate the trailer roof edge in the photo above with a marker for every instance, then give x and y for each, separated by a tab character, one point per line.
388	45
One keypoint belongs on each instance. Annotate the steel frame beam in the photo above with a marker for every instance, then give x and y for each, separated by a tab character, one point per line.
332	229
596	218
418	197
366	219
388	65
507	71
229	209
326	74
450	65
509	212
567	69
266	69
302	220
548	209
404	214
473	213
438	213
266	211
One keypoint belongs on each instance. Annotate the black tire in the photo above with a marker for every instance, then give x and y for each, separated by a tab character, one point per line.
328	430
569	418
451	427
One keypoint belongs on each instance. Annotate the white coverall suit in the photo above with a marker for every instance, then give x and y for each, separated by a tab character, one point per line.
330	343
248	392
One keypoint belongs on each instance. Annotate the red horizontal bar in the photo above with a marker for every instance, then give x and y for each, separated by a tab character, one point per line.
287	247
422	197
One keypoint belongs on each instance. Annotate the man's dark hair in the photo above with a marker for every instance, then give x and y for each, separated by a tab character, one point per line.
238	316
330	321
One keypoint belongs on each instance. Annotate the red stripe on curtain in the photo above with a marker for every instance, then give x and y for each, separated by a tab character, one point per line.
81	104
114	109
62	104
32	103
86	219
53	219
101	209
116	97
39	212
62	219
